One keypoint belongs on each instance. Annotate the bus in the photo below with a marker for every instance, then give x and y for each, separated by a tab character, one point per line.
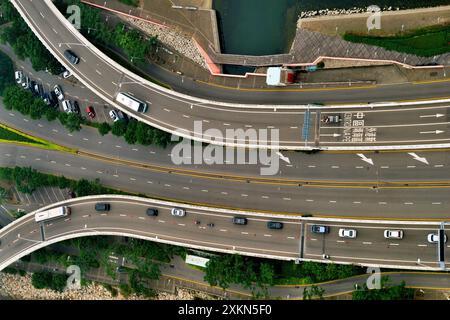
52	214
131	102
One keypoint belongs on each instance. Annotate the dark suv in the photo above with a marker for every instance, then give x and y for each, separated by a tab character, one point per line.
72	57
101	206
315	228
274	225
240	220
152	212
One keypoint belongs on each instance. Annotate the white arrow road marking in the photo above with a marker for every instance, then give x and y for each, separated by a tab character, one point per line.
437	115
416	157
285	159
435	132
334	135
364	158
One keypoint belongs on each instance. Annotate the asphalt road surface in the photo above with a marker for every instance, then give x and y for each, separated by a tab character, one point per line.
177	113
128	217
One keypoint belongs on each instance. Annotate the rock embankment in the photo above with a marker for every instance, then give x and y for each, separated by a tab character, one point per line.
13	286
174	39
335	12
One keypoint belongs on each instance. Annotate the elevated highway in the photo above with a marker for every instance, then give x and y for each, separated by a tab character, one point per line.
295	241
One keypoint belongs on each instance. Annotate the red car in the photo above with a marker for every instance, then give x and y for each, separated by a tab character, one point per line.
90	111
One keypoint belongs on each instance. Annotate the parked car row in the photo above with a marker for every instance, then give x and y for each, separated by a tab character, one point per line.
180	212
52	97
388	234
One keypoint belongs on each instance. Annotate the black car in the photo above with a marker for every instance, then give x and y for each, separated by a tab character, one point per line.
315	228
240	220
50	99
76	106
152	212
274	225
101	206
72	57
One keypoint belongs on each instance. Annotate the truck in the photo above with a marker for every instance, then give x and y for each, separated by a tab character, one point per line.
51	214
131	102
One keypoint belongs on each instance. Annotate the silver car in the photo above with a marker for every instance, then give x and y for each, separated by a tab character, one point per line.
59	93
178	212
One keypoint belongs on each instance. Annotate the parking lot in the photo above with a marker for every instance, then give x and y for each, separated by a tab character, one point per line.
71	88
43	196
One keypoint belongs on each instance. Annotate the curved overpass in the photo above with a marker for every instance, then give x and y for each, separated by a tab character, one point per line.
294	242
174	112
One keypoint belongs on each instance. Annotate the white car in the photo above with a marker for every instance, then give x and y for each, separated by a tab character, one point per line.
178	212
26	83
59	93
66	74
67	106
434	238
114	116
393	234
19	76
347	233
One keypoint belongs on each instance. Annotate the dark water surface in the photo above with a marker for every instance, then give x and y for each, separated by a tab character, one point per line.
262	27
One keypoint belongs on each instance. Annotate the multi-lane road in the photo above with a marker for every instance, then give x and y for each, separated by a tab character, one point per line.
295	241
299	126
403	185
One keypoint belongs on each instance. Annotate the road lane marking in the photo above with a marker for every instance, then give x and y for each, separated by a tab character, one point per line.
367	242
182	224
123	215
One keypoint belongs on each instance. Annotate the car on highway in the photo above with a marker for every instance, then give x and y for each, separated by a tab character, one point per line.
393	234
90	112
347	233
274	225
315	228
178	212
18	76
72	57
240	220
59	93
102	206
331	119
152	212
434	238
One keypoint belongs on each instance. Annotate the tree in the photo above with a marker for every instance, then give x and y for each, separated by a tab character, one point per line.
45	279
313	292
130	134
73	122
6	72
4	196
119	128
104	128
51	114
37	109
387	292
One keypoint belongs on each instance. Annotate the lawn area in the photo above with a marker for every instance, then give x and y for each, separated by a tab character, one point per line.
6	134
424	42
